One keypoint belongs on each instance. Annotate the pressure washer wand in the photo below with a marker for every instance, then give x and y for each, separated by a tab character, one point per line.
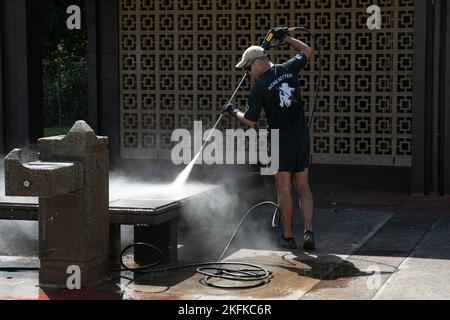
230	101
238	87
220	118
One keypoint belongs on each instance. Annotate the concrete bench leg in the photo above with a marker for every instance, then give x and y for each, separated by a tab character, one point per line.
163	236
115	245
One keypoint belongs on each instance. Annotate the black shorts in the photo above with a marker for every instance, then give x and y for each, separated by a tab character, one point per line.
294	156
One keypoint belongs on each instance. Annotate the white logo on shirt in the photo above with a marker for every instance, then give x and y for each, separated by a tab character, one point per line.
286	93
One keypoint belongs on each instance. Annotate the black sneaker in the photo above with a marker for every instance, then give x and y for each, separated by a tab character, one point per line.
287	243
309	244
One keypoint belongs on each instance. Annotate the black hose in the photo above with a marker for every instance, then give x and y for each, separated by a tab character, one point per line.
252	274
319	79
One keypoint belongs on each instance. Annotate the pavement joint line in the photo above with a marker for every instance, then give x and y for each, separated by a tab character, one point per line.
373	232
386	282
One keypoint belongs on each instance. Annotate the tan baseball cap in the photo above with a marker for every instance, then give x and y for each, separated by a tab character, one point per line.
253	52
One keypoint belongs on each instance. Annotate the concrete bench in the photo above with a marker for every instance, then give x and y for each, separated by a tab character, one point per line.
154	221
154	225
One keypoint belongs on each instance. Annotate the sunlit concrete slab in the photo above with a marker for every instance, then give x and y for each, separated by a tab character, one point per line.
407	258
426	273
418	279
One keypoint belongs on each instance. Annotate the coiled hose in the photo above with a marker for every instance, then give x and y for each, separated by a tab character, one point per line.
246	274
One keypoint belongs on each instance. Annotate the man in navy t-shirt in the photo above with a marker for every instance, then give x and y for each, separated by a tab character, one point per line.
277	92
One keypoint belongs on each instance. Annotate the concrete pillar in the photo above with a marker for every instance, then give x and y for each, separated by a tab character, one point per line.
21	72
446	115
421	96
103	66
430	170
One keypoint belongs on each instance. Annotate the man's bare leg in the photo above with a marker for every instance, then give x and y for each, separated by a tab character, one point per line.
301	181
284	182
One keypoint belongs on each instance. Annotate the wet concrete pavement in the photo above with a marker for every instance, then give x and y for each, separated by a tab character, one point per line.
373	243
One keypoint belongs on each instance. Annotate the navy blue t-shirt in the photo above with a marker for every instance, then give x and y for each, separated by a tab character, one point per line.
277	91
